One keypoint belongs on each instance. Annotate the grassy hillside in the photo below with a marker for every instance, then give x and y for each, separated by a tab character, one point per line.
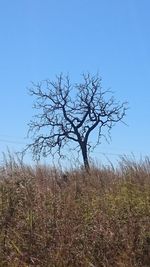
100	219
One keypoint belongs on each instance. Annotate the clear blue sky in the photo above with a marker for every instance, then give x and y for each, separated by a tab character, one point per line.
41	38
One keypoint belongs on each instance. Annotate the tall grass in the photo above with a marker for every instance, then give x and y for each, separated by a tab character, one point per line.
96	219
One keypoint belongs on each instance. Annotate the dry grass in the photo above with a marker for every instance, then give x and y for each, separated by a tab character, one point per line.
100	219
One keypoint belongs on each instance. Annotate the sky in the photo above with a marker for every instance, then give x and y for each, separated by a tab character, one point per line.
42	38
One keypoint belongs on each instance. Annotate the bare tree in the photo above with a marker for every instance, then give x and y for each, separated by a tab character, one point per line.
69	112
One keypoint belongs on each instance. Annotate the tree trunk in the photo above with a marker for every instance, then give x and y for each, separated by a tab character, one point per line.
85	155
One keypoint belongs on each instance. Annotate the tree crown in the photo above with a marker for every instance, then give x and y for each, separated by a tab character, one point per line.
69	112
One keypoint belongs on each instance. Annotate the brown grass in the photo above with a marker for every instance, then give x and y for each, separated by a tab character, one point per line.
100	219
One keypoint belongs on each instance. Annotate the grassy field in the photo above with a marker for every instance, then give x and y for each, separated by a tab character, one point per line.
96	219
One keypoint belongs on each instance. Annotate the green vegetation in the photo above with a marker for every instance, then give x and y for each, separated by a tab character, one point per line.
96	219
